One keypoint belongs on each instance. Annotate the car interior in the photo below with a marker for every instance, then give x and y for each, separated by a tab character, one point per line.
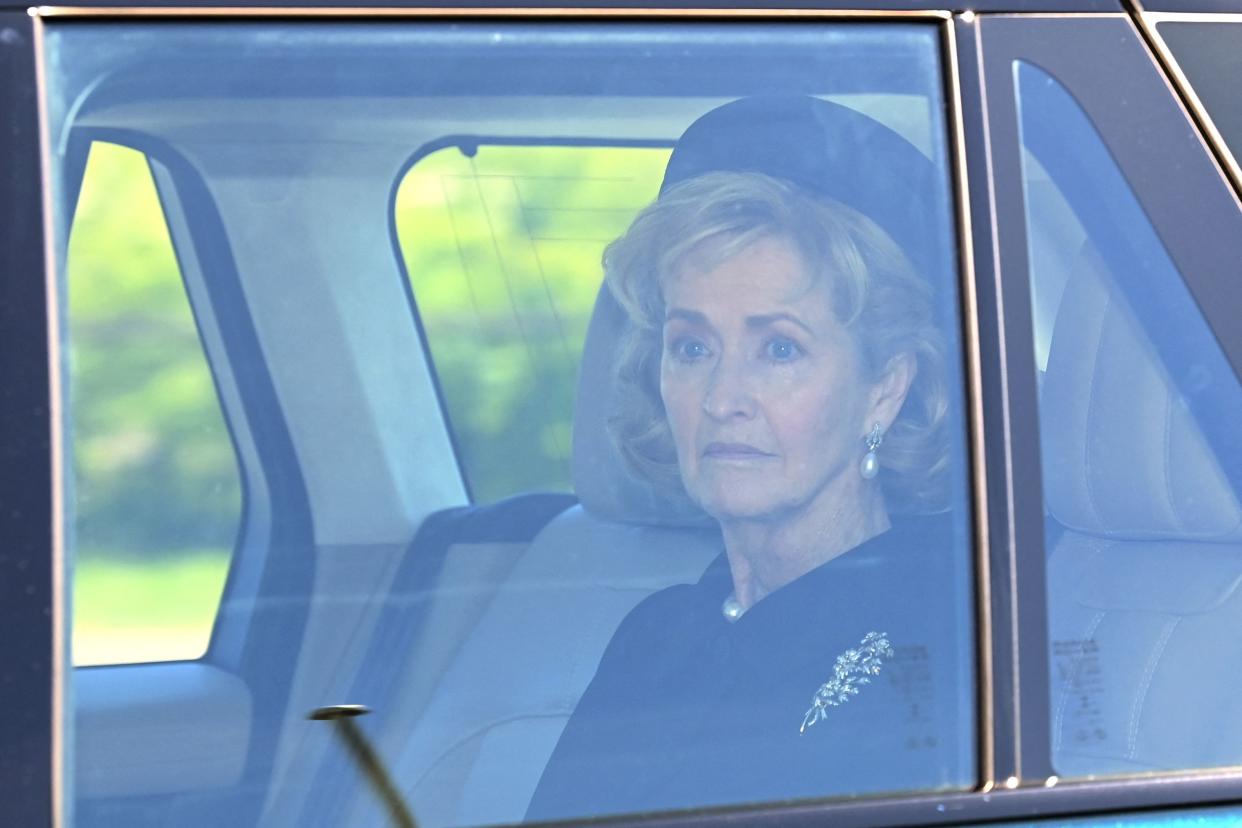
361	575
364	574
1143	519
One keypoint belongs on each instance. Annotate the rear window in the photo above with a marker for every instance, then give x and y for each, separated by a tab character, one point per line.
157	492
502	247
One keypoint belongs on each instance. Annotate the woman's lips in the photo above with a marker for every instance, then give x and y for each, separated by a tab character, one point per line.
734	451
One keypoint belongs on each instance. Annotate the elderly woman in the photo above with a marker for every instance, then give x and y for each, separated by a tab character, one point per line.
786	375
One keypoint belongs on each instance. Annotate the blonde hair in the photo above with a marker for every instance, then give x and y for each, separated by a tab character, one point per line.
875	292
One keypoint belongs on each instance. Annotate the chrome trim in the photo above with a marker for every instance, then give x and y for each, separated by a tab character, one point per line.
969	302
1225	773
1146	25
1053	15
497	13
60	667
1188	17
1006	430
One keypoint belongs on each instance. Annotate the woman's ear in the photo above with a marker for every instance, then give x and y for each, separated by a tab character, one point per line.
889	392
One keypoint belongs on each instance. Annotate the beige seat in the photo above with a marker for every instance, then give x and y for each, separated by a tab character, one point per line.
1146	552
474	753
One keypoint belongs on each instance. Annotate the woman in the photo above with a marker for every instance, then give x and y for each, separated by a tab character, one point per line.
785	375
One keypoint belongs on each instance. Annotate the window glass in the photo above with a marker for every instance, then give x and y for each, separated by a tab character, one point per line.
1140	466
706	545
502	246
1211	56
157	498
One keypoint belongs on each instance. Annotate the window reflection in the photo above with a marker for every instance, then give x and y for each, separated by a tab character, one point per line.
377	347
1143	518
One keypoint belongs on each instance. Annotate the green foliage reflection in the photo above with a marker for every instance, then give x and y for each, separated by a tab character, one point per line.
155	481
503	251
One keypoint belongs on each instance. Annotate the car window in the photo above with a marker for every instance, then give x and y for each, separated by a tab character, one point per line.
1140	465
502	247
500	520
1210	54
156	491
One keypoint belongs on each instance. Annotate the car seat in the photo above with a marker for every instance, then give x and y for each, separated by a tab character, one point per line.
1145	554
474	750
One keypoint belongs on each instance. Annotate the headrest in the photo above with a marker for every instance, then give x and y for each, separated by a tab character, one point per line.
824	148
1122	455
606	486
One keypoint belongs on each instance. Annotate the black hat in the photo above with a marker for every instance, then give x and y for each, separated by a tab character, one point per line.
828	150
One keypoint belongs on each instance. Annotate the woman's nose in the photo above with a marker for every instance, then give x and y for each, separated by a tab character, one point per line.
728	393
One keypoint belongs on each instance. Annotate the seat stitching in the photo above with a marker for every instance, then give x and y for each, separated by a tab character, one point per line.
481	730
1140	697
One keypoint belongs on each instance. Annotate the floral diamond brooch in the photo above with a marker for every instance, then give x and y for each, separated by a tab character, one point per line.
854	668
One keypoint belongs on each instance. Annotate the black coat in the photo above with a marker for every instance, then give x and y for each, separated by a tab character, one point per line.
689	710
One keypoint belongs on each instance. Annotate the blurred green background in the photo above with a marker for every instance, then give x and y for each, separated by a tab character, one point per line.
502	248
503	252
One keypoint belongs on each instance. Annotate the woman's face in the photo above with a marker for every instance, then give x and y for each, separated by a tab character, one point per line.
764	388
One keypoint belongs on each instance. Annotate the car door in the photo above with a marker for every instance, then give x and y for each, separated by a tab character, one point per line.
1093	177
262	165
318	294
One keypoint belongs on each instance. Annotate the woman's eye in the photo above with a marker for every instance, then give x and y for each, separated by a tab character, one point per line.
781	350
687	350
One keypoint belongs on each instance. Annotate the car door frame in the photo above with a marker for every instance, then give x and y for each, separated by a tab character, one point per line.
31	578
1015	779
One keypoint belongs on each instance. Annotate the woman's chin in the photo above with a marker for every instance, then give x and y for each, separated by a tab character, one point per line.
740	503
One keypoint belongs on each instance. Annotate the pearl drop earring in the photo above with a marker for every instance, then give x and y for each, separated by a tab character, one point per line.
870	465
